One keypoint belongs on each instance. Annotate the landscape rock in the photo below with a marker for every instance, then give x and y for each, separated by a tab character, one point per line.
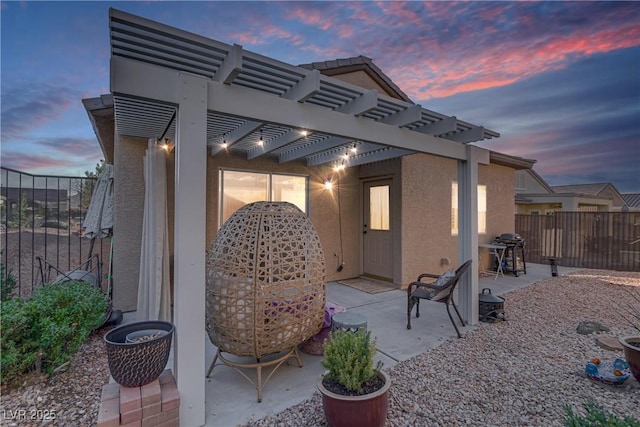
586	328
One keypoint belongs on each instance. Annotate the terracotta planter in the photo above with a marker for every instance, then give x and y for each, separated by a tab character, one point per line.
369	410
137	359
632	354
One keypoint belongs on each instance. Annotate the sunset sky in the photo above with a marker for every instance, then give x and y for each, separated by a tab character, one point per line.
559	80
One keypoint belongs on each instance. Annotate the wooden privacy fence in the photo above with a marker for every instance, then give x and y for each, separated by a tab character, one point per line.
599	240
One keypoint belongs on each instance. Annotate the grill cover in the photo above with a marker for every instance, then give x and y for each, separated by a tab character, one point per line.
510	237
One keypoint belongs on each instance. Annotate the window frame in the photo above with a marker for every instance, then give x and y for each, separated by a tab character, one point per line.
270	175
482	227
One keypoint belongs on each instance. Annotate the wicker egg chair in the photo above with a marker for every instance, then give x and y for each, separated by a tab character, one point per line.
266	287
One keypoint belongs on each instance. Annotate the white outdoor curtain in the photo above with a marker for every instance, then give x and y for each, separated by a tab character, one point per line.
98	221
154	294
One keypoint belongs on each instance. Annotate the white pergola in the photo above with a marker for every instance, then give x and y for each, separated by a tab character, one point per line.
208	97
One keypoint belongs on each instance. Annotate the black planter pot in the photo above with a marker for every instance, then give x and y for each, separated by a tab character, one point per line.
134	364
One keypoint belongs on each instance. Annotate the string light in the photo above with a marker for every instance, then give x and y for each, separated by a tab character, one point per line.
167	145
327	183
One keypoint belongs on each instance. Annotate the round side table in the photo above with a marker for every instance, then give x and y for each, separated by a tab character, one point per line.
348	322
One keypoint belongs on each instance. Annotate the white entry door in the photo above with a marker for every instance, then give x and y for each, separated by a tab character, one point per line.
377	232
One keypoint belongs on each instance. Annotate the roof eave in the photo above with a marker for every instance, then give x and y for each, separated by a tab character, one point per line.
514	162
101	114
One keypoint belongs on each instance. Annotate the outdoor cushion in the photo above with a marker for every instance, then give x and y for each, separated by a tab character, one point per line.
442	281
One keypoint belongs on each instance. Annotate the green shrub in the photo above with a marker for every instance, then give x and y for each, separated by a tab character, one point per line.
348	357
47	330
596	417
8	283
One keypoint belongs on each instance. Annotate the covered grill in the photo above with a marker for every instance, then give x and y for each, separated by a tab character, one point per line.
491	307
513	260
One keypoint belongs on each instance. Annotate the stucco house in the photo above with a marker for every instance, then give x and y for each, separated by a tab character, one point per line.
409	191
420	188
535	197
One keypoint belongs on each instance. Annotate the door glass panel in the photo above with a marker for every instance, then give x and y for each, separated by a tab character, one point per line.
379	207
241	188
292	189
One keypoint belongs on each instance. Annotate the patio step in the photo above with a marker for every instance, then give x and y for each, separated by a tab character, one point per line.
154	404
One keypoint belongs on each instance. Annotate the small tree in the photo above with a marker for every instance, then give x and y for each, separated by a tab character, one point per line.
21	217
85	187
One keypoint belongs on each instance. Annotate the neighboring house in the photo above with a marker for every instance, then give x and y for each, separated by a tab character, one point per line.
535	197
38	198
402	175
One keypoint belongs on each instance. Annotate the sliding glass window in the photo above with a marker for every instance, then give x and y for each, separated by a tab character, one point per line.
238	188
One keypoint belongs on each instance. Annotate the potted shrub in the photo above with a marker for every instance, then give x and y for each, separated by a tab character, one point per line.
354	392
631	344
138	352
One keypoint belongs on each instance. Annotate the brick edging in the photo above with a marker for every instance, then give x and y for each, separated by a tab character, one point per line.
154	404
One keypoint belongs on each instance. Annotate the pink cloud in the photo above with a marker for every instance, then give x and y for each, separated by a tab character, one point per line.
34	163
308	16
505	63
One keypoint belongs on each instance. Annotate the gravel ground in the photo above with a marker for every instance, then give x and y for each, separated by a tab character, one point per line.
70	398
63	249
516	373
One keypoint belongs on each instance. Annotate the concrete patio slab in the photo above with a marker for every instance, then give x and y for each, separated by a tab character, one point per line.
231	400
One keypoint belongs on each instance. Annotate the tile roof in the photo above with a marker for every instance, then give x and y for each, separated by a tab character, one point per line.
345	65
632	199
593	189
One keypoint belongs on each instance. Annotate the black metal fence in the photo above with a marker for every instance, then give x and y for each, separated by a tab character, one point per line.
599	240
41	216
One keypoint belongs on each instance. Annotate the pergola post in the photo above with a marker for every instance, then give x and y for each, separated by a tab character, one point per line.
189	247
468	231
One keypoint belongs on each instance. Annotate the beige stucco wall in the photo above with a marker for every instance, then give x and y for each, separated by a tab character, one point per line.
500	200
128	205
421	211
362	79
426	212
426	215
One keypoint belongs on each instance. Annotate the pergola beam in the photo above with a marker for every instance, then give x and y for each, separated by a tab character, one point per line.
231	66
476	133
305	89
307	150
273	144
232	137
242	102
384	153
152	82
361	104
404	117
446	125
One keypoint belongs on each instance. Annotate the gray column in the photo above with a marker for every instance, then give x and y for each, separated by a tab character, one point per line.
468	233
189	247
